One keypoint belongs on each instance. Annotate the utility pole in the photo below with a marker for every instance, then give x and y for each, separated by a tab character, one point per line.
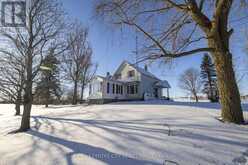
136	47
136	52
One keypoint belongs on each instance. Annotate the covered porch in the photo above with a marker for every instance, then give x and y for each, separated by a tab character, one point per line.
164	87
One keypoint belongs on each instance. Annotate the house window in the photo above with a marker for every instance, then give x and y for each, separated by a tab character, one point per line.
121	89
113	88
136	89
131	73
118	76
108	85
100	88
117	89
90	91
132	89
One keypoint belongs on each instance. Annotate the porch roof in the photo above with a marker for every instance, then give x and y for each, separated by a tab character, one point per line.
162	84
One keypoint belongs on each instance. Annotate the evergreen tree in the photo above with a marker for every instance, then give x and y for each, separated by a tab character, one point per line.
48	86
209	80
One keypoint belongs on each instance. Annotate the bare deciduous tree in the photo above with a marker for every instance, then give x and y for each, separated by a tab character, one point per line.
11	79
190	81
177	28
44	22
87	74
78	57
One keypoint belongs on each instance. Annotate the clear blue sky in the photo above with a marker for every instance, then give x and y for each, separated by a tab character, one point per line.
111	48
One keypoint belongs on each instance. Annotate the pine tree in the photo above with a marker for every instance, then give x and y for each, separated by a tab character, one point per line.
209	80
48	86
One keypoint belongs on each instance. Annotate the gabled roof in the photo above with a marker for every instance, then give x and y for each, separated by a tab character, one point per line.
144	72
139	69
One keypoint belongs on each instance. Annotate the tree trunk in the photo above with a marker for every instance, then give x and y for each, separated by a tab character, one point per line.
25	123
228	89
196	98
231	110
210	87
28	97
82	92
74	99
47	98
18	103
18	108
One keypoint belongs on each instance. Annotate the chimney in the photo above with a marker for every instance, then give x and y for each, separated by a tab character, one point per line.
146	67
108	74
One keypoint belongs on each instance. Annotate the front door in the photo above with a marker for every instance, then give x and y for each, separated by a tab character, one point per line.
155	92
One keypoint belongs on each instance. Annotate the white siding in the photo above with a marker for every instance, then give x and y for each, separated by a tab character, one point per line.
147	86
96	88
112	95
124	74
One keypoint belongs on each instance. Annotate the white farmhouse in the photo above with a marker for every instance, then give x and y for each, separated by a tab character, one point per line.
129	82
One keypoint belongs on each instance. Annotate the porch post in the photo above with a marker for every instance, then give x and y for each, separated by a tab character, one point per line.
168	93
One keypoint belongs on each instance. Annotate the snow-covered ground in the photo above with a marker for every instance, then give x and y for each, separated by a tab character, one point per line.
134	133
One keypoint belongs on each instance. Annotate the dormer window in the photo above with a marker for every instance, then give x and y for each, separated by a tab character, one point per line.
131	73
118	76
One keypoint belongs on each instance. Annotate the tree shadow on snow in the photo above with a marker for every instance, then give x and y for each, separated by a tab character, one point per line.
130	130
98	153
207	105
143	126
